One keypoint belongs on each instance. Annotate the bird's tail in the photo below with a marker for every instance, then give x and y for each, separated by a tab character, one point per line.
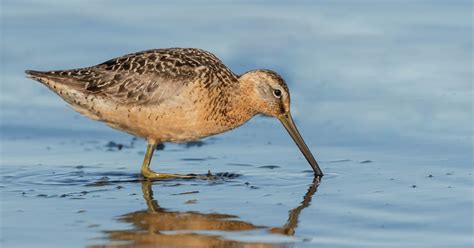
68	89
44	77
55	79
35	74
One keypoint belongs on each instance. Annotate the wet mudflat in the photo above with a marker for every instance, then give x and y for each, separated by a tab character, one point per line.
381	92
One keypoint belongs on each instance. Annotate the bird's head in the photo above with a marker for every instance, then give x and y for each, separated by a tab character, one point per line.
269	92
269	95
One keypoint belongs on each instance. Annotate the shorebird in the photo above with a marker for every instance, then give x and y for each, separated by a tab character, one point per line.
173	95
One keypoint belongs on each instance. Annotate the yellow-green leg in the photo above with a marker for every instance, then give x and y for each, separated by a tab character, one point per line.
148	173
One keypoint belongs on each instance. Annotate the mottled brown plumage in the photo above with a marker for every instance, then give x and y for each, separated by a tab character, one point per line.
169	95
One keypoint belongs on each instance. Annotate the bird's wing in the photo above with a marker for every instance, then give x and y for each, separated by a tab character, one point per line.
151	76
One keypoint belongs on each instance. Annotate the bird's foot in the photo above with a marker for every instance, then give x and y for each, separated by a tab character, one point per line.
149	174
207	176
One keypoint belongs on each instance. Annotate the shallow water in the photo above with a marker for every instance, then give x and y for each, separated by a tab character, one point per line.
93	196
381	92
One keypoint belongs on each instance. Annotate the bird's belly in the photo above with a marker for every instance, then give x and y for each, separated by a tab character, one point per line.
160	124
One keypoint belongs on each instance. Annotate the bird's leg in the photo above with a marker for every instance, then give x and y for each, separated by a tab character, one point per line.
148	173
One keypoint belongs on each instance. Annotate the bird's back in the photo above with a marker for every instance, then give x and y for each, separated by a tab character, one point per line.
138	77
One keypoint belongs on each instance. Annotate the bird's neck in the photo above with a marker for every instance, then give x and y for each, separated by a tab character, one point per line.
243	104
232	107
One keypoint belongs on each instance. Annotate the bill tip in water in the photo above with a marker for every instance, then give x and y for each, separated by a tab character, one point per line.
290	126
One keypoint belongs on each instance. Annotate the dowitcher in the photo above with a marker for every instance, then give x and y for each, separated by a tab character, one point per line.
173	95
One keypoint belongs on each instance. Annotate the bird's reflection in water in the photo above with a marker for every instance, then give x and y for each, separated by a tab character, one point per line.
157	227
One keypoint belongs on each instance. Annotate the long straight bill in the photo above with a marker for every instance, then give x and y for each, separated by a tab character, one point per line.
290	126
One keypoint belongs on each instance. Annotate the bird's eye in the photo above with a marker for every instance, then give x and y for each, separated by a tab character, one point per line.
277	93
